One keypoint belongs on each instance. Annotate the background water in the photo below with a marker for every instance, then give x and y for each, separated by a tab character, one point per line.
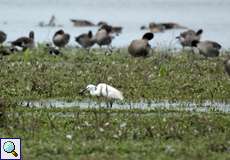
17	17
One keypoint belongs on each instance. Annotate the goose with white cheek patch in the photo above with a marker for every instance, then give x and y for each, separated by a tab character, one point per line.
141	47
86	40
25	42
188	36
61	39
103	36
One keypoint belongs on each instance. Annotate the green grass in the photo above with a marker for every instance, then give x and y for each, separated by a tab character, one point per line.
182	76
118	134
92	134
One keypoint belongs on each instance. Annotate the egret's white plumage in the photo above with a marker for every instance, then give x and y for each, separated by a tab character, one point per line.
104	90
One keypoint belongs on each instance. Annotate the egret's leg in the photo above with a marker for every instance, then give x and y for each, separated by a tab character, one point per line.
107	104
98	102
111	104
130	105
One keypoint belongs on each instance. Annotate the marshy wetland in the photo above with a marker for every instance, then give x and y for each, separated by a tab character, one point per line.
92	132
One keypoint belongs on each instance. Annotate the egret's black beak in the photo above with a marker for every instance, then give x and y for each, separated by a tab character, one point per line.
82	91
178	37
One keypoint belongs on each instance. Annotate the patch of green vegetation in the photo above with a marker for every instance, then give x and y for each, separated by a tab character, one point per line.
73	133
118	134
181	76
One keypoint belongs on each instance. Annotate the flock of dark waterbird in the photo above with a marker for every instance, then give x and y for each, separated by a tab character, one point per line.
106	33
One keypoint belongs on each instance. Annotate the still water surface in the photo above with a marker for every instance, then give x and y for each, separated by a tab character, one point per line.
17	17
146	105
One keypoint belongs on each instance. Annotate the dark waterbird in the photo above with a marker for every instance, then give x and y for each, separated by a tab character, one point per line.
51	23
141	47
86	40
25	42
114	29
103	36
188	36
60	38
3	37
82	23
161	27
207	48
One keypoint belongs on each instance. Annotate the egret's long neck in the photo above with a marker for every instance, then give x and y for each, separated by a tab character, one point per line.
93	91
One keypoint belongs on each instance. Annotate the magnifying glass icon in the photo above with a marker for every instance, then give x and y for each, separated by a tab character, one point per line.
9	147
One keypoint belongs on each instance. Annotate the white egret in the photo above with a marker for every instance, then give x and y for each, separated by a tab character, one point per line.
104	90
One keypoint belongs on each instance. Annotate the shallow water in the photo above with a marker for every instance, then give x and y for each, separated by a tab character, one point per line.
17	17
178	106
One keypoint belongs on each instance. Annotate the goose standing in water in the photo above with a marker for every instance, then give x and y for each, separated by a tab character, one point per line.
86	40
61	39
207	48
141	47
3	37
187	37
25	42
